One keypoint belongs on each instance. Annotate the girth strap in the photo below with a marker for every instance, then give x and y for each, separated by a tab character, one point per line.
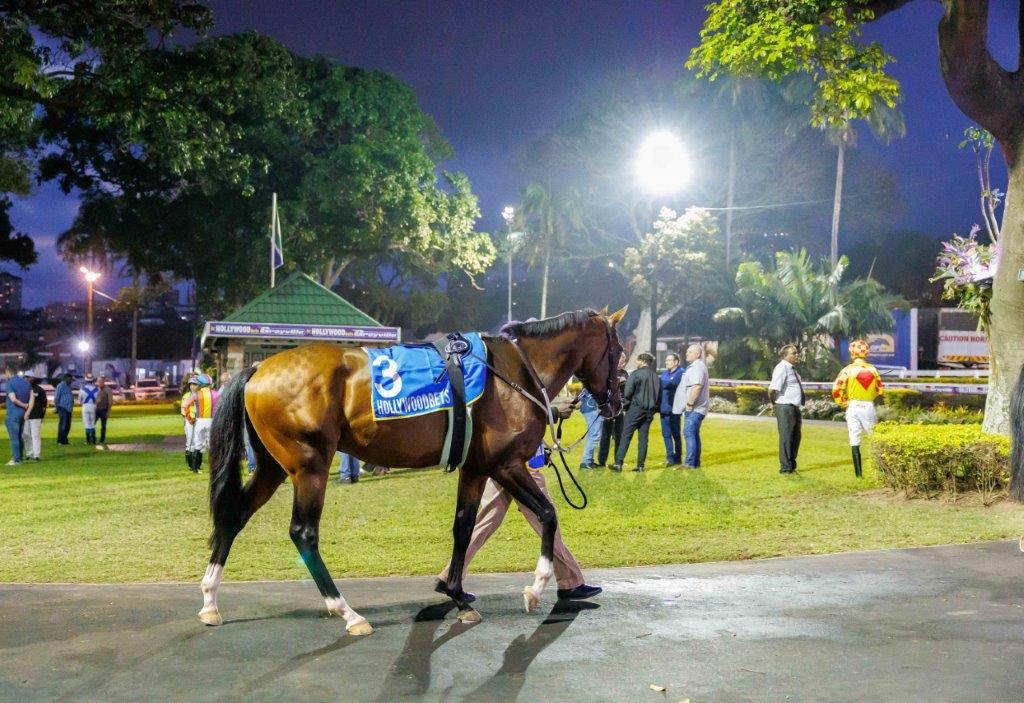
456	443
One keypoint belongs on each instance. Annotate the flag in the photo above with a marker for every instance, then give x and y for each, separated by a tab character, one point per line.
276	246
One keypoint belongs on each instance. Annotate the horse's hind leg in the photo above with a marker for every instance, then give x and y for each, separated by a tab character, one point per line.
257	491
310	486
522	488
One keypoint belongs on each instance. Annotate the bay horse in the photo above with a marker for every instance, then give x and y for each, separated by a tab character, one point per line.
302	405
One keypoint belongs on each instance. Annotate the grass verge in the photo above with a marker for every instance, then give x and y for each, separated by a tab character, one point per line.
82	515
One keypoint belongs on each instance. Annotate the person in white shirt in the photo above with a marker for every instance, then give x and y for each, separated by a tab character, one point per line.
786	393
692	401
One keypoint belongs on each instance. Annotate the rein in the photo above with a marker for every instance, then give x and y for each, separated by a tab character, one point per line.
545	405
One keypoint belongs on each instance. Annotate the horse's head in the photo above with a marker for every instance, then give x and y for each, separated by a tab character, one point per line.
600	362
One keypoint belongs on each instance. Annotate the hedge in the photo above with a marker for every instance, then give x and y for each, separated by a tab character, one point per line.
933	459
749	399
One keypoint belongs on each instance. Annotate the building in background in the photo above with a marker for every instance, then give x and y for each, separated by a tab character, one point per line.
10	292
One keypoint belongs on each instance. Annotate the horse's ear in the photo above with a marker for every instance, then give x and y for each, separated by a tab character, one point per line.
604	311
617	316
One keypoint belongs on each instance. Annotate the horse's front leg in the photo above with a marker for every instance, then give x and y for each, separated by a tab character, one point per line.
471	487
525	491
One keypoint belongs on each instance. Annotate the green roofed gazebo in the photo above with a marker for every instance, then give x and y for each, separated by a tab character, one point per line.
296	311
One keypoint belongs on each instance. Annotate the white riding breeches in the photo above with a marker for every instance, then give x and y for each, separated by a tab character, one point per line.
860	420
89	416
200	439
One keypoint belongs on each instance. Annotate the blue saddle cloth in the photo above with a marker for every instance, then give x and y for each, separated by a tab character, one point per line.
403	379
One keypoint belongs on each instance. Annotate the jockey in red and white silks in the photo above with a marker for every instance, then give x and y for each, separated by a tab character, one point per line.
856	388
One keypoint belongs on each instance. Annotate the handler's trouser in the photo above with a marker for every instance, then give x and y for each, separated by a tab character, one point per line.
860	420
493	506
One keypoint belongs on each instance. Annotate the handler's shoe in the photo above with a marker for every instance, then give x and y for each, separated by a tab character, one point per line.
579	593
617	468
640	467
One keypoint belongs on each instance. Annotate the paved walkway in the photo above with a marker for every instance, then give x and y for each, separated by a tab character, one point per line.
933	624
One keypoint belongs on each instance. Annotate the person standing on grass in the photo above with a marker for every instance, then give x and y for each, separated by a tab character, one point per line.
88	394
856	388
786	395
693	401
592	416
198	408
64	402
34	420
611	428
643	391
348	468
670	419
19	399
104	402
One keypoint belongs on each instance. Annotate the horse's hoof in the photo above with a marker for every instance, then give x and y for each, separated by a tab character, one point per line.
211	616
530	600
469	616
360	629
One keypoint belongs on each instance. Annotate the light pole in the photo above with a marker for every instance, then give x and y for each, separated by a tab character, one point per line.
90	279
509	214
661	168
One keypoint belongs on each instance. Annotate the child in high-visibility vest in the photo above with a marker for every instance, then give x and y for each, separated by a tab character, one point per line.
197	408
856	388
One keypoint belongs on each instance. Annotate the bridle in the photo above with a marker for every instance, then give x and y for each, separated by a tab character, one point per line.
545	405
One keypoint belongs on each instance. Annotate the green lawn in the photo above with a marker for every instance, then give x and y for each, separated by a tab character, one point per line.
86	516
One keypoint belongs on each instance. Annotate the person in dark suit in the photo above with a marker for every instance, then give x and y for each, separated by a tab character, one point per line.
640	398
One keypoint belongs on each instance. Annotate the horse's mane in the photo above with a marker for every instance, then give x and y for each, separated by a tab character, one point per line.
548	326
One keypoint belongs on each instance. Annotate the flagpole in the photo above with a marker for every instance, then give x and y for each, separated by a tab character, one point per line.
273	234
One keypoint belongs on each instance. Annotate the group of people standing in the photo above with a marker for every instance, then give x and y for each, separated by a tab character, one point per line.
26	405
680	396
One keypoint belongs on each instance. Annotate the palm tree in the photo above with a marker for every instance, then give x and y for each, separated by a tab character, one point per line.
807	305
886	124
553	218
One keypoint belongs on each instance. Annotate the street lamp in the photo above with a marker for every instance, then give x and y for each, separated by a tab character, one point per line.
661	164
509	214
661	168
90	278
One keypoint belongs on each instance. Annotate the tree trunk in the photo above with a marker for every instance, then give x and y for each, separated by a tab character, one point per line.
135	345
837	202
653	348
644	327
544	282
1006	335
730	193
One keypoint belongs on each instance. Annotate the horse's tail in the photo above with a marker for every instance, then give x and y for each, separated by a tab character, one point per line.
227	447
1017	430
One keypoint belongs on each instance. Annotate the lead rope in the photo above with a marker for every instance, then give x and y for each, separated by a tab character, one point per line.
556	435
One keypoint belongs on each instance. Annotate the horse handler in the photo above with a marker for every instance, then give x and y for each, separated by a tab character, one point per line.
856	388
494	505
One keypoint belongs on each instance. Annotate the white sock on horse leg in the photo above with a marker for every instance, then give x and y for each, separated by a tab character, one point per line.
338	606
541	575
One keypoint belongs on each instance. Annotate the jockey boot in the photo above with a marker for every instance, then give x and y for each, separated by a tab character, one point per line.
856	460
199	461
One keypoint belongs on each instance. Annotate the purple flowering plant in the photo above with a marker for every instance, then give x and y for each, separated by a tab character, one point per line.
966	268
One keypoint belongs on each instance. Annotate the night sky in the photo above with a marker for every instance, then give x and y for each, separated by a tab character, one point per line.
494	75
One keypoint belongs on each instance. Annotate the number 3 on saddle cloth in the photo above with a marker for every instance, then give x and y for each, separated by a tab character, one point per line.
416	379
